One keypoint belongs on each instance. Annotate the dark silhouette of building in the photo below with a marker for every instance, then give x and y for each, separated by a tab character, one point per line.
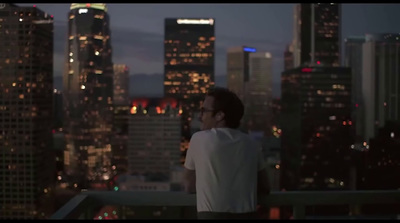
276	111
320	32
58	109
27	170
383	165
316	129
354	60
288	58
122	107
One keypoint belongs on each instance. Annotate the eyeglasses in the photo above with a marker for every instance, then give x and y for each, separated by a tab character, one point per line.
203	110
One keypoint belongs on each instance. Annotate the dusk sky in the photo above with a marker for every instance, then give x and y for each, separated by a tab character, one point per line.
137	30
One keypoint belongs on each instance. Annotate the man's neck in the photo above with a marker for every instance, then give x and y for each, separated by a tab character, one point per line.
221	124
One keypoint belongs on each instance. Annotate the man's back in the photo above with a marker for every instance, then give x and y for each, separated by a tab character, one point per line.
226	162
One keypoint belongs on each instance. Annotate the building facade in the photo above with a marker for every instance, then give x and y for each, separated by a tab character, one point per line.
258	94
121	85
122	107
189	64
380	81
353	58
27	172
320	33
238	69
288	58
154	137
88	92
316	128
296	41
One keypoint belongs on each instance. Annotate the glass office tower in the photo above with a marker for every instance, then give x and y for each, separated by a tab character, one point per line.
188	65
27	171
88	93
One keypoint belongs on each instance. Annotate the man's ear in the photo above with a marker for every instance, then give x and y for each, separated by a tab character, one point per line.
219	116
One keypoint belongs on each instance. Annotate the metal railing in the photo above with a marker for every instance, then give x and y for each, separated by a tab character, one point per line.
84	205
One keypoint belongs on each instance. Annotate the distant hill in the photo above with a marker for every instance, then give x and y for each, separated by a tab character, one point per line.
151	85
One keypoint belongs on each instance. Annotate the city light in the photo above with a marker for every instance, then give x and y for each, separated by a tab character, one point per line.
307	70
196	21
249	49
93	137
81	11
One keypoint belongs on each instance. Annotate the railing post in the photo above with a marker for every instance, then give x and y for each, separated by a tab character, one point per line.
121	212
90	213
354	210
87	214
299	212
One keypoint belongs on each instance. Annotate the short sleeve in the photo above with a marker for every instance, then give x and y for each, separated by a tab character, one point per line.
260	162
189	159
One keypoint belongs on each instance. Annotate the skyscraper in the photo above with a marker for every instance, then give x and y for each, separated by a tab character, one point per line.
316	128
121	85
27	170
188	65
316	101
258	94
238	69
154	137
121	117
383	160
320	32
88	91
296	43
57	109
381	82
288	57
353	59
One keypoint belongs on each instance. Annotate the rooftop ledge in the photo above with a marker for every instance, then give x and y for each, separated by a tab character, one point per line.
85	204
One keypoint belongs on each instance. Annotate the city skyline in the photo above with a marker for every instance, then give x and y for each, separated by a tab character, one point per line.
267	27
80	130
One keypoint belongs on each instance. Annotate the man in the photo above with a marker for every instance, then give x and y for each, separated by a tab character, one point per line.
224	166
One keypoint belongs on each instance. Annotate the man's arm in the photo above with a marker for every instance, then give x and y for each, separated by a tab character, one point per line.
190	181
263	187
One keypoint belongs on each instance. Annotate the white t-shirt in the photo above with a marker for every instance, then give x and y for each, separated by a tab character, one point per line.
226	162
